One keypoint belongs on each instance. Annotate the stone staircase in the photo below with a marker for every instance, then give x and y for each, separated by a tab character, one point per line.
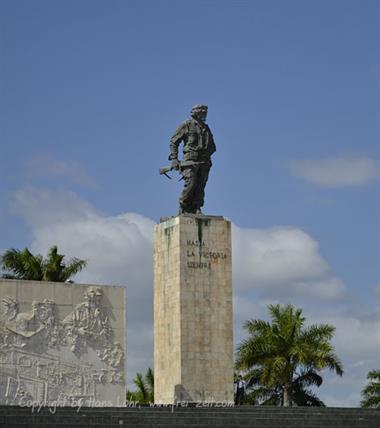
145	417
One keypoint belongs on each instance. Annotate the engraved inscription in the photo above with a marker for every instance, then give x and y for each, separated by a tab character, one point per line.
199	265
200	253
213	255
195	243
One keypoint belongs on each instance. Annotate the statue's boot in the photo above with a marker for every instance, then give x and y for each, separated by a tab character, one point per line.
188	210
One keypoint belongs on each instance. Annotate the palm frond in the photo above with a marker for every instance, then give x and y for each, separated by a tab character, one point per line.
24	265
371	392
72	268
371	402
373	375
308	378
275	352
141	387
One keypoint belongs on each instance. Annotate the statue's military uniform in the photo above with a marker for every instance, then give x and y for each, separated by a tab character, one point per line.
198	146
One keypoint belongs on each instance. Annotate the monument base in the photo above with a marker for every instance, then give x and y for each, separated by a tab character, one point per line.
193	351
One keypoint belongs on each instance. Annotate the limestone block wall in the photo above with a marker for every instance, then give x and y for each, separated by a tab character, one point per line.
193	351
61	343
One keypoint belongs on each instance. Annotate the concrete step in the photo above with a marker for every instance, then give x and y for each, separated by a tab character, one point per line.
239	417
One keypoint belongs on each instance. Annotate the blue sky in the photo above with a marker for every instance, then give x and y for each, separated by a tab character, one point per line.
92	91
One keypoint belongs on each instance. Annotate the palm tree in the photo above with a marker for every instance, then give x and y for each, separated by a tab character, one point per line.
145	388
301	393
282	358
22	264
371	393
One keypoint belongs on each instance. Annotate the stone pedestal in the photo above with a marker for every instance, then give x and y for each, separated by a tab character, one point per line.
193	351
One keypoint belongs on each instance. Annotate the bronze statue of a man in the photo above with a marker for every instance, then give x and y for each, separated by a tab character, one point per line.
198	146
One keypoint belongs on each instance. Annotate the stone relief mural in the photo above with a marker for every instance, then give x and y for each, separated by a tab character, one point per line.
43	358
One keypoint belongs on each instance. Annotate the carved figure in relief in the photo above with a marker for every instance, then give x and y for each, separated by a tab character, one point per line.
29	323
87	324
116	377
114	355
25	323
8	313
9	309
40	319
46	316
26	336
78	383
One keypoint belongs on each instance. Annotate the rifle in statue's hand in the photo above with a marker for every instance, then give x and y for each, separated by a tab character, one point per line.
165	170
181	165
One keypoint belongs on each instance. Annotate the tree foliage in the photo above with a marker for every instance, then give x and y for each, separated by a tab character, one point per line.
145	388
371	392
282	358
301	390
22	264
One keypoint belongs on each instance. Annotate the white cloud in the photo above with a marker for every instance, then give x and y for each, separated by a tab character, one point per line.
282	261
357	343
49	166
273	256
41	208
328	288
346	170
355	337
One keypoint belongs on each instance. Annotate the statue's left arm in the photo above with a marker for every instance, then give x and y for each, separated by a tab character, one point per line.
211	143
